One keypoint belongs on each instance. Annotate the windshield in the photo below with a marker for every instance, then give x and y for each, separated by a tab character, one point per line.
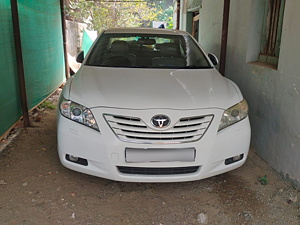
147	51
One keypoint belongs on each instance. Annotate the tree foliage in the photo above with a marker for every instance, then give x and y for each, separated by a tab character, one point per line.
167	16
102	14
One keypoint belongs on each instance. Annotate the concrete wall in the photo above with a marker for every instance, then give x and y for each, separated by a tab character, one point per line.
210	26
74	32
272	94
183	15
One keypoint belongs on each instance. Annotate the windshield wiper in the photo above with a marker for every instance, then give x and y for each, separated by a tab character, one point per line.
198	67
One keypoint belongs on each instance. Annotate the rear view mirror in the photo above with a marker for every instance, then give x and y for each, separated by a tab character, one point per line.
80	57
147	41
213	59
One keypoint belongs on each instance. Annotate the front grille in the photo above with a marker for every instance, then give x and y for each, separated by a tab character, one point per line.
133	129
158	171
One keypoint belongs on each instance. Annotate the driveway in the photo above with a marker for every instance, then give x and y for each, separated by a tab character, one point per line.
36	189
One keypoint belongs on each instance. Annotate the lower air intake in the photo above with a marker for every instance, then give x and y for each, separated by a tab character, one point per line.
158	171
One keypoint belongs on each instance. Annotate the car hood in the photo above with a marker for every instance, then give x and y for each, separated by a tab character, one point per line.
135	88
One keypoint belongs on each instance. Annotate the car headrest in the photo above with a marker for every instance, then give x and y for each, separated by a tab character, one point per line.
119	47
169	49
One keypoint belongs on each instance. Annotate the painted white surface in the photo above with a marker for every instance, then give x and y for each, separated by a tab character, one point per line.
273	95
136	88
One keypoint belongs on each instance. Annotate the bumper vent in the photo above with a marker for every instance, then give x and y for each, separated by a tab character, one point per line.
133	129
158	171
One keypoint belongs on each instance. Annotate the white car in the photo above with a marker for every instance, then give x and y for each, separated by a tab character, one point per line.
148	105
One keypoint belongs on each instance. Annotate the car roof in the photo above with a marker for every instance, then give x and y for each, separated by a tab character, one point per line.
142	30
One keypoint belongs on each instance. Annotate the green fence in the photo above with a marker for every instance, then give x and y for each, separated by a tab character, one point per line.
42	46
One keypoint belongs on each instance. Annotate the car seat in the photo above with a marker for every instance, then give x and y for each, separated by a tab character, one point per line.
118	55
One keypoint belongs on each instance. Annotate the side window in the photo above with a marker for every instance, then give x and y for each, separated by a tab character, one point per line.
271	33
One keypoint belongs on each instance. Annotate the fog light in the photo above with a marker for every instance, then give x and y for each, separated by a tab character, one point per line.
234	159
73	158
76	160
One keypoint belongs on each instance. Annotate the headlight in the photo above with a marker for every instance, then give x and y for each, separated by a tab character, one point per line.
77	113
234	114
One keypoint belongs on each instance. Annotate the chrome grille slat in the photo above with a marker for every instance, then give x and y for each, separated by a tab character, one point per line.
128	122
192	118
159	139
133	129
191	122
131	125
146	129
196	126
156	135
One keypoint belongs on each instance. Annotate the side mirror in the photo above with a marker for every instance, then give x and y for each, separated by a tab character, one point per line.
213	59
80	57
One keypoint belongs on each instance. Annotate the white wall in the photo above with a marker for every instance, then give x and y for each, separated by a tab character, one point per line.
183	14
210	26
273	95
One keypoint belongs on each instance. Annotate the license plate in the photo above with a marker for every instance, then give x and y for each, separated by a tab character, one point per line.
134	155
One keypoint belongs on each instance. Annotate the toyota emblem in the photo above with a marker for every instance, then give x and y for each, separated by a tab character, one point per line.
160	121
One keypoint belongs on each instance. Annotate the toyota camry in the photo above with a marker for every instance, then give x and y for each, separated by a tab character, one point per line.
148	105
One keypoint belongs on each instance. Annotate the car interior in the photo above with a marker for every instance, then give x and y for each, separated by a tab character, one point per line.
143	53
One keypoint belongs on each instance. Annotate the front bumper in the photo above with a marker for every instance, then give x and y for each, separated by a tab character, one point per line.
106	154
